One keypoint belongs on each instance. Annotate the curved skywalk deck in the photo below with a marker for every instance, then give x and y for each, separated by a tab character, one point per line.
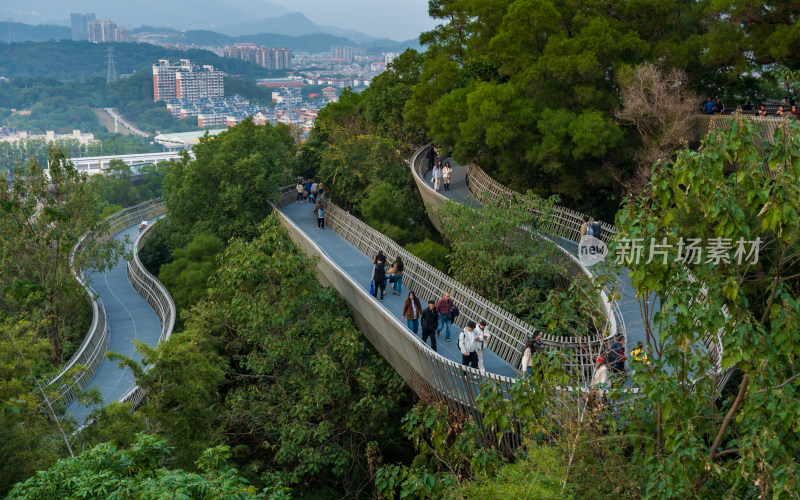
359	267
628	303
130	317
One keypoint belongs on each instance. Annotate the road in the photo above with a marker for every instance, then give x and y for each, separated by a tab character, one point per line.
121	120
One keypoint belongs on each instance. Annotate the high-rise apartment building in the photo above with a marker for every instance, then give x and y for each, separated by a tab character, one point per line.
101	31
272	58
346	54
123	35
107	31
79	22
184	80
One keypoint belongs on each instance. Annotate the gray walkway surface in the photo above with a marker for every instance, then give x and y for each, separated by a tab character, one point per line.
628	303
129	318
359	267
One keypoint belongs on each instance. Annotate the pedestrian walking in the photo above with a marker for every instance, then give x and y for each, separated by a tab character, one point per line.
466	344
379	278
443	306
307	187
446	171
314	191
300	190
616	356
396	275
482	339
380	257
321	216
429	319
437	175
431	155
532	347
601	374
412	310
584	227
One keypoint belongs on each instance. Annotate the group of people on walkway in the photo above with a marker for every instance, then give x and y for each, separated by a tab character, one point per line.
310	191
382	274
591	227
610	369
441	176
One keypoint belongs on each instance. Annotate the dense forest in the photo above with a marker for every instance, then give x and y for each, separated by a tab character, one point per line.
63	107
78	61
267	389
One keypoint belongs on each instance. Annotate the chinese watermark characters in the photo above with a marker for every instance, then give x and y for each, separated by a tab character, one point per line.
715	251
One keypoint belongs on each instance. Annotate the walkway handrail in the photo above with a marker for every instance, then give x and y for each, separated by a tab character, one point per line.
427	373
480	181
585	349
95	343
159	298
509	333
769	124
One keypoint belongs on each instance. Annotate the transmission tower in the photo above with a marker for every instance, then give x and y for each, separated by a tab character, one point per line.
111	73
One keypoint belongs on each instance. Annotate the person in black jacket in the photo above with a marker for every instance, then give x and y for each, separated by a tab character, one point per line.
379	278
430	320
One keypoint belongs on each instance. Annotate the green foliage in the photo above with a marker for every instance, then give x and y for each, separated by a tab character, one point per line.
30	439
187	273
42	216
75	61
307	395
431	252
385	98
225	190
118	187
64	106
257	94
697	441
539	475
455	458
183	389
106	471
518	269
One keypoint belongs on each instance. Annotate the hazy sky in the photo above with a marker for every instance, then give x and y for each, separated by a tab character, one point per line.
395	19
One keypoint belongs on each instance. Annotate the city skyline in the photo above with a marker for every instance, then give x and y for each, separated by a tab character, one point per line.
374	18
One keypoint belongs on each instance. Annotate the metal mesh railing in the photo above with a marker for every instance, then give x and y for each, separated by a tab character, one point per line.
586	349
567	224
427	373
157	295
767	124
91	351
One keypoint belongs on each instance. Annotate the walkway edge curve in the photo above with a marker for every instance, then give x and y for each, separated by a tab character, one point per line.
429	374
569	228
95	343
159	298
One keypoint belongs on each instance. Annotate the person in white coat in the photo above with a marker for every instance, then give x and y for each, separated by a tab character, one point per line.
481	341
466	344
600	377
534	345
438	173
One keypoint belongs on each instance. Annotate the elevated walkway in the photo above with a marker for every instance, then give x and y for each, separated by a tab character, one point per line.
627	308
358	266
130	318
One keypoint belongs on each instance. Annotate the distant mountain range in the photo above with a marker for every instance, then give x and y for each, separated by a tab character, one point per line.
294	31
19	32
295	24
225	16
